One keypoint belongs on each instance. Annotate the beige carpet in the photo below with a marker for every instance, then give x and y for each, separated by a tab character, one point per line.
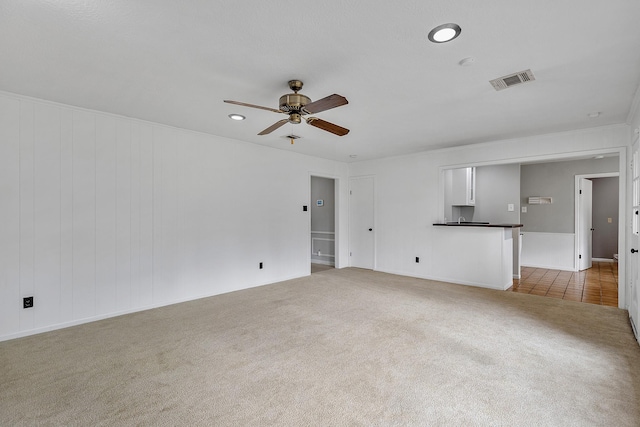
338	348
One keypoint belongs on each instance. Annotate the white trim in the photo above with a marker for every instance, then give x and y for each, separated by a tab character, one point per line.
323	232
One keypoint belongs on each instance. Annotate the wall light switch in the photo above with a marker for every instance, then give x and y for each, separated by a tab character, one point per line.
511	207
609	220
524	209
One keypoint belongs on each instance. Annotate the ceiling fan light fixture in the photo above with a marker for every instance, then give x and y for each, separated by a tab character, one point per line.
237	117
444	33
297	105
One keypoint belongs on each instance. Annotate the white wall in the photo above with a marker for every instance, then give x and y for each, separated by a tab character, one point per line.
409	197
104	215
554	251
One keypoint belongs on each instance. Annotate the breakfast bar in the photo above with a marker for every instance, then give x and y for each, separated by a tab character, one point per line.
476	254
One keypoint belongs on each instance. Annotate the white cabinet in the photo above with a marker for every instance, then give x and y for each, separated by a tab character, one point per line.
463	187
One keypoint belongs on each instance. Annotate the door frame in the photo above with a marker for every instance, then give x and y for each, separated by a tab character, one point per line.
631	286
577	210
621	241
338	182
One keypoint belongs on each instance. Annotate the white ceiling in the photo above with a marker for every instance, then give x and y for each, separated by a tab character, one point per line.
175	62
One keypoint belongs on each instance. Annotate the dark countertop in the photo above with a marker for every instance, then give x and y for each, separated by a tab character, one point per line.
478	224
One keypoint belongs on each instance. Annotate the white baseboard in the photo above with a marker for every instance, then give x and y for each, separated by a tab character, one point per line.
633	328
550	267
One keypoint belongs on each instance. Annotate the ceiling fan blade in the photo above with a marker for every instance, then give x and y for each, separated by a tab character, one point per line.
329	127
244	104
326	103
274	126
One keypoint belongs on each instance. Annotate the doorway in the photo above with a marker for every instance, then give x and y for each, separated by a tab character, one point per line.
596	218
323	223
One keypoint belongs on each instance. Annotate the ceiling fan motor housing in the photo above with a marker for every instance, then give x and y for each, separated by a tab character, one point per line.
293	102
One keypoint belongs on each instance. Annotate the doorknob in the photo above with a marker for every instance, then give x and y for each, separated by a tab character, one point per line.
633	251
371	229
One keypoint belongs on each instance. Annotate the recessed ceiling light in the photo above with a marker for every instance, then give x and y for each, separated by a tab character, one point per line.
599	157
353	156
466	62
236	117
594	114
444	33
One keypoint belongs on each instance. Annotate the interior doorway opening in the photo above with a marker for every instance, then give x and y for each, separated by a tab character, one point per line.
323	223
596	219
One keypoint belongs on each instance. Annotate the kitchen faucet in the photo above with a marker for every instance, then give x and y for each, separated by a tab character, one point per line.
461	218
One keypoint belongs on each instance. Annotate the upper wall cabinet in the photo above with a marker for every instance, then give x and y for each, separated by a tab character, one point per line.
463	187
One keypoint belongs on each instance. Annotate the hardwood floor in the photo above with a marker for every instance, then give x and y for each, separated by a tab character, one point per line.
597	285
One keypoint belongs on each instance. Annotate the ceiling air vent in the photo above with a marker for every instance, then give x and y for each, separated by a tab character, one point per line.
512	80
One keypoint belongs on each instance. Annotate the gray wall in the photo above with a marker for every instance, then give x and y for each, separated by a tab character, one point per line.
605	206
557	180
323	218
496	187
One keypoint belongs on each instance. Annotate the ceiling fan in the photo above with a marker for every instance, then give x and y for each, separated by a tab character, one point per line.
297	105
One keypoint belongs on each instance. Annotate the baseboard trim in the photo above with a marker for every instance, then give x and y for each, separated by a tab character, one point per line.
159	304
634	330
551	267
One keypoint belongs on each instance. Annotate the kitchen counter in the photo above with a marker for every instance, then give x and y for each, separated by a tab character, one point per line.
477	224
475	254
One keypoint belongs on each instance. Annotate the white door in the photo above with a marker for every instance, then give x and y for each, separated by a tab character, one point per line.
632	290
361	227
585	225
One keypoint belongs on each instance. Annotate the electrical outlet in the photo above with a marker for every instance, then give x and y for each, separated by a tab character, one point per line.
27	302
524	209
609	220
260	266
511	207
417	259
